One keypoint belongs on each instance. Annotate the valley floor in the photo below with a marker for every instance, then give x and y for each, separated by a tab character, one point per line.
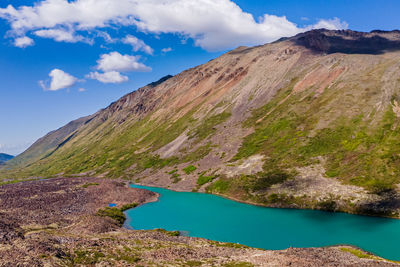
66	222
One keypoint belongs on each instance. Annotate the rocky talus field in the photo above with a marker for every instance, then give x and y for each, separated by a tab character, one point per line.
310	121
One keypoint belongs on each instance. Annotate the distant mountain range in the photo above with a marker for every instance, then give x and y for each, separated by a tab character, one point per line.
5	157
310	121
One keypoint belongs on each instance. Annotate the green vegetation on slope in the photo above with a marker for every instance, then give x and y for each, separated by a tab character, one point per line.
203	179
124	150
355	151
207	127
189	169
113	213
244	185
116	213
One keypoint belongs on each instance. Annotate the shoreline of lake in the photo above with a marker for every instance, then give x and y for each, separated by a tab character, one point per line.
317	213
277	206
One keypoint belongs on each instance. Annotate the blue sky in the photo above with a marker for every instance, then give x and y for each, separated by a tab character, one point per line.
98	50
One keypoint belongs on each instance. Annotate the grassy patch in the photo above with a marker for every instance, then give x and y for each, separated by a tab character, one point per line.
207	127
238	264
175	178
86	257
244	186
173	171
15	181
170	233
93	257
193	263
116	213
86	185
265	180
203	179
220	186
189	169
128	206
113	213
359	253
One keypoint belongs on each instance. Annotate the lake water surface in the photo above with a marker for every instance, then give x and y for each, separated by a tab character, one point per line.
213	217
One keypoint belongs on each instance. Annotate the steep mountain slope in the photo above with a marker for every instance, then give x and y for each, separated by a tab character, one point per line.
5	157
310	121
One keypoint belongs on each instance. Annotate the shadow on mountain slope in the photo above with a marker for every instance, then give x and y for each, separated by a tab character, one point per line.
349	42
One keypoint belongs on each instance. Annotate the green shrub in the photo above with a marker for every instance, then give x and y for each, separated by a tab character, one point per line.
266	180
170	233
203	179
116	213
189	169
113	213
193	263
173	171
175	178
128	206
89	184
328	205
360	254
86	257
220	186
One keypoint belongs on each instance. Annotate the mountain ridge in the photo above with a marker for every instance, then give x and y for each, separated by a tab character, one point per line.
301	122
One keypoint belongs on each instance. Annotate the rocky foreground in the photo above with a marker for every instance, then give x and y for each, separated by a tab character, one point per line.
57	222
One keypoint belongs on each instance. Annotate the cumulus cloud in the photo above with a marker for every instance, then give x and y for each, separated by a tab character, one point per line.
213	24
112	64
166	50
114	61
23	42
60	35
59	80
108	77
137	44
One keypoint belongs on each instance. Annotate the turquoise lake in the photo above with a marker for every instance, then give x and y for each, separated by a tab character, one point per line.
216	218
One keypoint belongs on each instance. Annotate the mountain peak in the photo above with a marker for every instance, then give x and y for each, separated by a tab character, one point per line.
348	41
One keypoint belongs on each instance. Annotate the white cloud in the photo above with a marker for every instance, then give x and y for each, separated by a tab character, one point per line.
59	80
213	24
330	24
112	64
107	37
166	50
81	90
60	35
114	61
23	42
137	44
108	77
